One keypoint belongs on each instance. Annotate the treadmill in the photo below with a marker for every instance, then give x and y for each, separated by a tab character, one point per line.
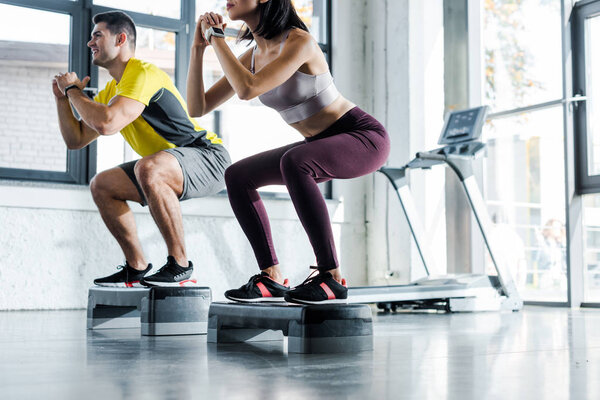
453	293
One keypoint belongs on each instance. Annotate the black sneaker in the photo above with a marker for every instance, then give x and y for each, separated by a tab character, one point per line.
260	288
126	277
319	289
171	274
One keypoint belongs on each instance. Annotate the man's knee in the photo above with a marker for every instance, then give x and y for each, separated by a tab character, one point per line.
99	185
147	173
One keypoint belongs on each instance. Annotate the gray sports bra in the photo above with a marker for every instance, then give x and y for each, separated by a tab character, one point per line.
301	96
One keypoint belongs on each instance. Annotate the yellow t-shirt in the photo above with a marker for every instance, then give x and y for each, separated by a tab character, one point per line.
165	122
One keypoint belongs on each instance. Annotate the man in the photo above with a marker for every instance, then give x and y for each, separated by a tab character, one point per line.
179	160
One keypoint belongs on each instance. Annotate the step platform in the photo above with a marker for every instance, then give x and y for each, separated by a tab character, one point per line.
344	328
156	310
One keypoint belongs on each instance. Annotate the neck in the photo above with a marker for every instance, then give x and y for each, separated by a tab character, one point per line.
262	43
269	44
117	66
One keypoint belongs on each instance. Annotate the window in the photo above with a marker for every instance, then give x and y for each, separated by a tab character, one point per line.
248	127
591	266
170	9
586	61
152	45
524	164
165	33
524	172
31	145
586	58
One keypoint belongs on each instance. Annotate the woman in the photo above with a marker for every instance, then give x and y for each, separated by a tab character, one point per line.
288	72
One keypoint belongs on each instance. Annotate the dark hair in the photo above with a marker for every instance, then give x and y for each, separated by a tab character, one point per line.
118	22
276	16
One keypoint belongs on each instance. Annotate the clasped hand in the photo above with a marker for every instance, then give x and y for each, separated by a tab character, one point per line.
63	81
206	21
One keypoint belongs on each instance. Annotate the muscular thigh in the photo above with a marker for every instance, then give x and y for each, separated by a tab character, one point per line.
264	168
160	167
115	182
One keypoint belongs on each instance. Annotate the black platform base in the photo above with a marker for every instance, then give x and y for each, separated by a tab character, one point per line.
156	310
310	329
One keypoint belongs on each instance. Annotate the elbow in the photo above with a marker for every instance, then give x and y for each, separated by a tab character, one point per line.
246	94
194	111
74	146
105	126
247	90
102	129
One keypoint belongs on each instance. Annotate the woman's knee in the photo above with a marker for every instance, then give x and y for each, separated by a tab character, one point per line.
294	162
236	176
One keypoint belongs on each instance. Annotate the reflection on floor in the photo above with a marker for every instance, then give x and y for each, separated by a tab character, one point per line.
539	353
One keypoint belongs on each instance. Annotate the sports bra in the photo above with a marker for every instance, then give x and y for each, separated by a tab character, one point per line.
301	96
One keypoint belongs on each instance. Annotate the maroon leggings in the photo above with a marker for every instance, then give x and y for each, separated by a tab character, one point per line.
355	145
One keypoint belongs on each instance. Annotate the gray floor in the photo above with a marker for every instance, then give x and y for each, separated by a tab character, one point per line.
539	353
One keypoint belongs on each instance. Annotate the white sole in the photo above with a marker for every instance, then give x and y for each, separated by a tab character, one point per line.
120	285
259	300
187	282
336	301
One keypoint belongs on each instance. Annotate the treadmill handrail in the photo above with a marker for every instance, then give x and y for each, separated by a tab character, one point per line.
431	156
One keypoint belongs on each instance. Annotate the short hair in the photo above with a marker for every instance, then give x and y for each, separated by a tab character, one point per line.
118	22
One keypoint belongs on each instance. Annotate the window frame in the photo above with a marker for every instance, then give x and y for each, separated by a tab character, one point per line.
585	183
77	162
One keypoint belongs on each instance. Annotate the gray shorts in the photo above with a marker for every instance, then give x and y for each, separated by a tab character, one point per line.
203	170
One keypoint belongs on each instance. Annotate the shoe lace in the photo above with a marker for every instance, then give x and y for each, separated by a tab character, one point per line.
251	281
314	274
124	268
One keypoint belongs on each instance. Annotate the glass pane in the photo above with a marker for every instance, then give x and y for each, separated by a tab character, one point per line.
312	13
29	133
522	52
592	57
524	190
163	8
591	232
154	46
247	127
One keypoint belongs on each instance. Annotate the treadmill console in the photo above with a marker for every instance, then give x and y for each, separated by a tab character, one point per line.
463	126
460	135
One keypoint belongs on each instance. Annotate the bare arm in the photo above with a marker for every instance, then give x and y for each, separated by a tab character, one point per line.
200	102
299	48
75	133
106	119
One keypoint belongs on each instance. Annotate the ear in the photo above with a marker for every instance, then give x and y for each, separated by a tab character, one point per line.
121	39
263	1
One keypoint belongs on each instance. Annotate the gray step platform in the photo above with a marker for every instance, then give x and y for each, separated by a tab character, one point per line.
310	329
156	310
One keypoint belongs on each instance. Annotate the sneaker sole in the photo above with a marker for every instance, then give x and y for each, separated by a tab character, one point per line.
135	284
259	300
335	301
187	282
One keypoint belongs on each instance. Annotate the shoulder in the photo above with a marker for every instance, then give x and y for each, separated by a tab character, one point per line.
138	68
300	36
106	94
299	40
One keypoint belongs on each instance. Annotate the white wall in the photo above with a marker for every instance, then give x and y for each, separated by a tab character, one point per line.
387	58
401	73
